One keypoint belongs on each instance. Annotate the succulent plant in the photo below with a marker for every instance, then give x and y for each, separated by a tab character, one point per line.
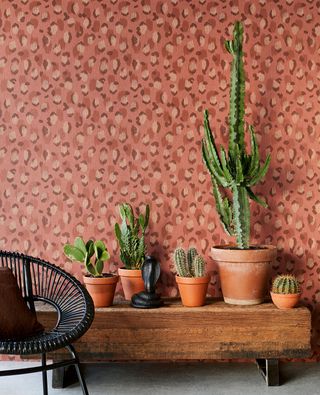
189	263
235	169
286	284
131	236
83	252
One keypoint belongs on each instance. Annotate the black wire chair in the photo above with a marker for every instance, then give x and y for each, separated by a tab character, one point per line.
44	282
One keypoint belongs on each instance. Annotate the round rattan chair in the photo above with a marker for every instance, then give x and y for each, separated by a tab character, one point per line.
42	281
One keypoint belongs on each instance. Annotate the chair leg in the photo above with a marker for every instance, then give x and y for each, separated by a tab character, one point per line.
77	366
44	374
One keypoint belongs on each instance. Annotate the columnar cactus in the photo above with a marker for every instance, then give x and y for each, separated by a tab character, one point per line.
235	169
286	284
189	264
191	254
181	263
199	265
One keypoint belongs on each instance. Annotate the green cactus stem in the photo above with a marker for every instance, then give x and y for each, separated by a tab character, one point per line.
235	169
286	284
191	254
199	266
181	263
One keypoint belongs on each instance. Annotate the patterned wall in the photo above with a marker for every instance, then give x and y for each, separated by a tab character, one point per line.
102	102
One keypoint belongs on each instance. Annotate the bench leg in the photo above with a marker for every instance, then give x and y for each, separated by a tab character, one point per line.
63	377
269	368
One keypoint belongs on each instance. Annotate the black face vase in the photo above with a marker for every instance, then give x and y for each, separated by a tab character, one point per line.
148	299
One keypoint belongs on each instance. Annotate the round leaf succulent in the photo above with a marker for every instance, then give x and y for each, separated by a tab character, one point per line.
83	252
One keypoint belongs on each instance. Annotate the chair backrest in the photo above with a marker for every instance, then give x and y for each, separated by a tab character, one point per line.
42	281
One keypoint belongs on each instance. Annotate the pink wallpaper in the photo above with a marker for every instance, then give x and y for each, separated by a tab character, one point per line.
101	102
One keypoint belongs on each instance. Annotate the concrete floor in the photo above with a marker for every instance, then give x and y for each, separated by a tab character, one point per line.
173	379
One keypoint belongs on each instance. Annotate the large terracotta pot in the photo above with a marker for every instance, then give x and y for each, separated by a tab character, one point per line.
193	290
244	274
132	282
285	301
101	289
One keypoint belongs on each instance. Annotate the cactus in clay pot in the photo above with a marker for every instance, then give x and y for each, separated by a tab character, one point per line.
189	264
286	284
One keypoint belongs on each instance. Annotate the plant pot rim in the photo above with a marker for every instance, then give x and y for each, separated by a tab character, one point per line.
101	280
262	253
129	272
193	280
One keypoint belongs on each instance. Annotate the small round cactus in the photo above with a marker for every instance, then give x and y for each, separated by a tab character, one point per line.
189	264
286	284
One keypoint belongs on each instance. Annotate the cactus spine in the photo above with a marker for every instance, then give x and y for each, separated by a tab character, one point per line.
235	169
286	284
189	264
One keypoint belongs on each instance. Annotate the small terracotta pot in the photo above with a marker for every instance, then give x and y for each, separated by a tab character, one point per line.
193	290
285	301
244	274
132	282
101	289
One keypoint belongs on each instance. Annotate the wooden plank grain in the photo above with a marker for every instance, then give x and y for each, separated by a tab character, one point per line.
174	332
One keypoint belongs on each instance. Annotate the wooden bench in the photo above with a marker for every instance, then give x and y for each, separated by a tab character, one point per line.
176	333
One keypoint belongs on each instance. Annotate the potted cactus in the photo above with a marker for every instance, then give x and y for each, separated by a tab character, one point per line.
93	254
285	291
244	268
191	277
131	237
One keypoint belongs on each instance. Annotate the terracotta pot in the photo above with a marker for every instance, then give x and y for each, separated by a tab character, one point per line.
244	274
285	301
132	282
193	290
101	289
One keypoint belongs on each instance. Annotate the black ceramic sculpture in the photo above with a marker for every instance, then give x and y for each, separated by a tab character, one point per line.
148	299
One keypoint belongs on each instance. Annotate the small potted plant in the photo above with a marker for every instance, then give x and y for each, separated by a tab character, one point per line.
131	237
101	286
191	277
285	291
244	268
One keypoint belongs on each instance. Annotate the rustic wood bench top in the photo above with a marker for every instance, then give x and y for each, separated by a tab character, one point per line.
174	332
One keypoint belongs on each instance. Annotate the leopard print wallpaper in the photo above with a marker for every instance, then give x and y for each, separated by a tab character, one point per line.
102	102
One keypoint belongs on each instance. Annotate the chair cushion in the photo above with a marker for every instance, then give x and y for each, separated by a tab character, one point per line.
17	321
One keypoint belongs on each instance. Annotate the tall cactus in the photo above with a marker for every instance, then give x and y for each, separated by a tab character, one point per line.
235	169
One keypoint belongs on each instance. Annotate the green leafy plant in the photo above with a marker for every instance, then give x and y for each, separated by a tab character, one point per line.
236	169
84	252
131	236
189	263
285	284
